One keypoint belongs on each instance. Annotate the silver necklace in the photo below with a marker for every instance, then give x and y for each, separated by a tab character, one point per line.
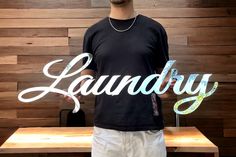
118	30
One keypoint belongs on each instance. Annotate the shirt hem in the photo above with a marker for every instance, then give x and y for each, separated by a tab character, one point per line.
130	128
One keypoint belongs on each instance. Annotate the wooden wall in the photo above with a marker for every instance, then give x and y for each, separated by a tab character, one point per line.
202	38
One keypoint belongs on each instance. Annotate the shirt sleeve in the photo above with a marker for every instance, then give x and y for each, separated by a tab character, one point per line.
87	48
162	52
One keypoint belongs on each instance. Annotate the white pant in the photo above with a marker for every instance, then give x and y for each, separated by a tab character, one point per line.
113	143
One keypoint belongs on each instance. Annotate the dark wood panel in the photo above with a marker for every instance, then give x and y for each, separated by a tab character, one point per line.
206	64
8	86
44	103
172	3
25	77
69	23
230	123
222	141
221	39
19	4
8	114
29	41
64	84
42	59
228	151
230	132
5	133
195	50
102	12
196	3
27	122
37	113
202	122
19	155
212	132
53	32
36	68
202	31
224	93
215	109
23	69
34	50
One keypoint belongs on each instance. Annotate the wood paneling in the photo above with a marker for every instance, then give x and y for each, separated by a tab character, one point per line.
102	12
19	4
24	122
8	60
35	50
39	113
171	3
42	59
201	36
22	41
8	86
8	114
38	32
206	64
68	23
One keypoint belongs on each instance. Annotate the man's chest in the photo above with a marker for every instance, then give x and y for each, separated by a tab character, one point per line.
120	47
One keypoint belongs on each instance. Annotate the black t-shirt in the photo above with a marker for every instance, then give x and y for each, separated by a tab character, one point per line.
137	51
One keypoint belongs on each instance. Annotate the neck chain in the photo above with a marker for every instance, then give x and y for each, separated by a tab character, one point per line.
118	30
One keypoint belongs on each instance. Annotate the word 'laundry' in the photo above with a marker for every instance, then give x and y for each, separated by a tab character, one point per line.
131	82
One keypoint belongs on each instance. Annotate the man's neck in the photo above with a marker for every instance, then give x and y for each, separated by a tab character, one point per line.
125	11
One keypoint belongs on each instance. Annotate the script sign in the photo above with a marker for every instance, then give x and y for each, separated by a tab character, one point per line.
197	95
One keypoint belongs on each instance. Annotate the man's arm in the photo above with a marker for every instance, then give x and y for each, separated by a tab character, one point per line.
87	72
83	72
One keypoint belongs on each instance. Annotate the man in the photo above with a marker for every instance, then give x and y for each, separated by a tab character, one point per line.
126	43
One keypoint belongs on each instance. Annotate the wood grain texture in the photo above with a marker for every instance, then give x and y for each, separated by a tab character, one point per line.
8	114
8	86
38	32
8	60
35	50
24	122
23	41
201	37
68	140
49	4
171	3
205	64
68	23
39	113
102	12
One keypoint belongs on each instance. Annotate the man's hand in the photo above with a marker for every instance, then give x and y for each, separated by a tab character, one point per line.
70	100
170	90
84	72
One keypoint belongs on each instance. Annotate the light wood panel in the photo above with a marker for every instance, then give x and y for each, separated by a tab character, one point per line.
79	140
8	60
68	23
201	36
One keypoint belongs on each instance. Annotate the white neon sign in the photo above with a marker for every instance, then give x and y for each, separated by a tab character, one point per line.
200	91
